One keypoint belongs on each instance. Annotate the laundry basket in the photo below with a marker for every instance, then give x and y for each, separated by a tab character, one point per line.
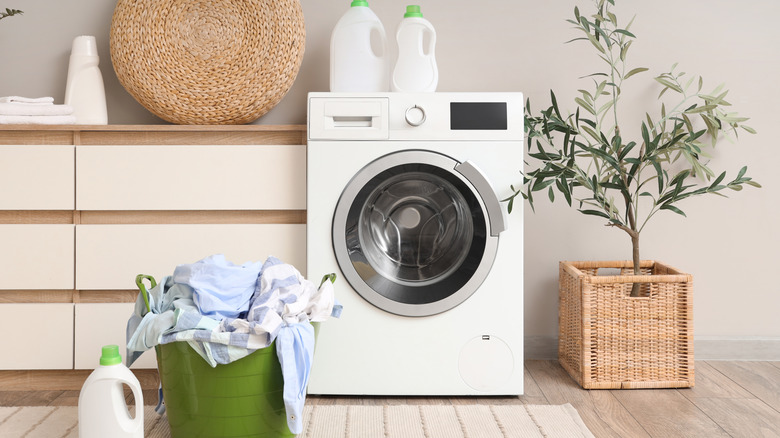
239	399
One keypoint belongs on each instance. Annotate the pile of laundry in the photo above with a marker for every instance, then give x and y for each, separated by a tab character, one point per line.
38	110
226	312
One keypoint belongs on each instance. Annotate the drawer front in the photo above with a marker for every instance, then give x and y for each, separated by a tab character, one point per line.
190	177
97	325
37	177
37	256
46	344
110	256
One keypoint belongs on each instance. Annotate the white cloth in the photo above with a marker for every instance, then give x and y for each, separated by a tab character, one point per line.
27	100
26	109
37	120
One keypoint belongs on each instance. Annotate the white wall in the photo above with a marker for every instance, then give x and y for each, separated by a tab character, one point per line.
729	245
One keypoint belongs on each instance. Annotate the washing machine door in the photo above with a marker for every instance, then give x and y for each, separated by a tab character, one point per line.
415	232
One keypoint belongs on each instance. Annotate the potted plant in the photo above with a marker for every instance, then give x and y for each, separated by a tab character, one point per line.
634	328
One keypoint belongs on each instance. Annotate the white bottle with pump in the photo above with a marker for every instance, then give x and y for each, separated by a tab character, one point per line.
354	65
415	70
102	408
84	89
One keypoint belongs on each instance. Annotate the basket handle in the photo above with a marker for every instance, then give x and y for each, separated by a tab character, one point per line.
326	277
139	281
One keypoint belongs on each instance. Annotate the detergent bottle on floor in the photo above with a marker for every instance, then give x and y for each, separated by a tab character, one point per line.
354	64
416	68
102	408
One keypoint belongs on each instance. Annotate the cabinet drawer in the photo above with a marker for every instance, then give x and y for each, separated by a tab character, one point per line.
190	177
37	256
97	325
37	177
110	256
36	336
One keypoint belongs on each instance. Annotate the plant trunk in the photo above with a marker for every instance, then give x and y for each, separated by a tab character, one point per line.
635	288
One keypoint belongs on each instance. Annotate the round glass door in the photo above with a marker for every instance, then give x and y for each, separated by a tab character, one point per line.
411	234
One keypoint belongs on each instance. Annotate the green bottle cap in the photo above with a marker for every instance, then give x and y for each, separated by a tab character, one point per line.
413	11
359	3
110	355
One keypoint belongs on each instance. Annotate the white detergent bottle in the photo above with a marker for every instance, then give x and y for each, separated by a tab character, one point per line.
354	64
416	68
102	408
84	89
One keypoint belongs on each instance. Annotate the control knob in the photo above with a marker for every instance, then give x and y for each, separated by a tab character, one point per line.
415	116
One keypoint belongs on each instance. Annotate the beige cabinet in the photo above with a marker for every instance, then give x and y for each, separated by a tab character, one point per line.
110	256
99	324
36	256
36	177
36	336
204	177
84	209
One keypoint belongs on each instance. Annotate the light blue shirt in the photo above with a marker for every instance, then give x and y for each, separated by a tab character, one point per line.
295	349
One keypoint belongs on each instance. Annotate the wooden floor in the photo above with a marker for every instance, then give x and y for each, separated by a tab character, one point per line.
738	399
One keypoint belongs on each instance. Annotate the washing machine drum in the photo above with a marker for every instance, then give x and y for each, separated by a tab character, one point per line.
412	235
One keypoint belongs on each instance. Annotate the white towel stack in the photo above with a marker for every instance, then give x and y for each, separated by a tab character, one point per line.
38	110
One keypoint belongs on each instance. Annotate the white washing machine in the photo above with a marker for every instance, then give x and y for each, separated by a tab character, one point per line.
404	205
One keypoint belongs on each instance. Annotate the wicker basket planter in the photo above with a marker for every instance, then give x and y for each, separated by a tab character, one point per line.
609	340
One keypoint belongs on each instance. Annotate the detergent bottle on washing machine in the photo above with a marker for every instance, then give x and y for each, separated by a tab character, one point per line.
356	64
102	408
415	69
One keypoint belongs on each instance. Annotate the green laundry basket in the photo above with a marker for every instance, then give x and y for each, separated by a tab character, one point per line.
239	399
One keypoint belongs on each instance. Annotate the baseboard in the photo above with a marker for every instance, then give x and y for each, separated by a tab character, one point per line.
705	348
758	349
541	348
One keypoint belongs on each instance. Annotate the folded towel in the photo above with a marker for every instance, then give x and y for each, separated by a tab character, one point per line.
37	120
28	100
25	109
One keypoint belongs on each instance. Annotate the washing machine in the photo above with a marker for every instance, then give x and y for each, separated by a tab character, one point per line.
405	204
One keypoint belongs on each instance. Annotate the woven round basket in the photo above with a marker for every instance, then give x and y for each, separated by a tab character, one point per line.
207	61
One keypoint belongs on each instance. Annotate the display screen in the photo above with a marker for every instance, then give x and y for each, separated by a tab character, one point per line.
478	116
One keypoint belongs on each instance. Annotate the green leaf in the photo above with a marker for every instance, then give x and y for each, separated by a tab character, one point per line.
659	171
555	104
741	172
596	43
720	178
625	32
635	71
700	109
551	194
541	184
564	188
645	136
595	213
624	51
673	208
585	105
668	84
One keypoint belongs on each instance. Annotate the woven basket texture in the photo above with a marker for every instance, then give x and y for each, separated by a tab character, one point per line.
207	61
610	340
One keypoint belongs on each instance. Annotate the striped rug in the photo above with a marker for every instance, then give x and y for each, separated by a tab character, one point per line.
348	421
